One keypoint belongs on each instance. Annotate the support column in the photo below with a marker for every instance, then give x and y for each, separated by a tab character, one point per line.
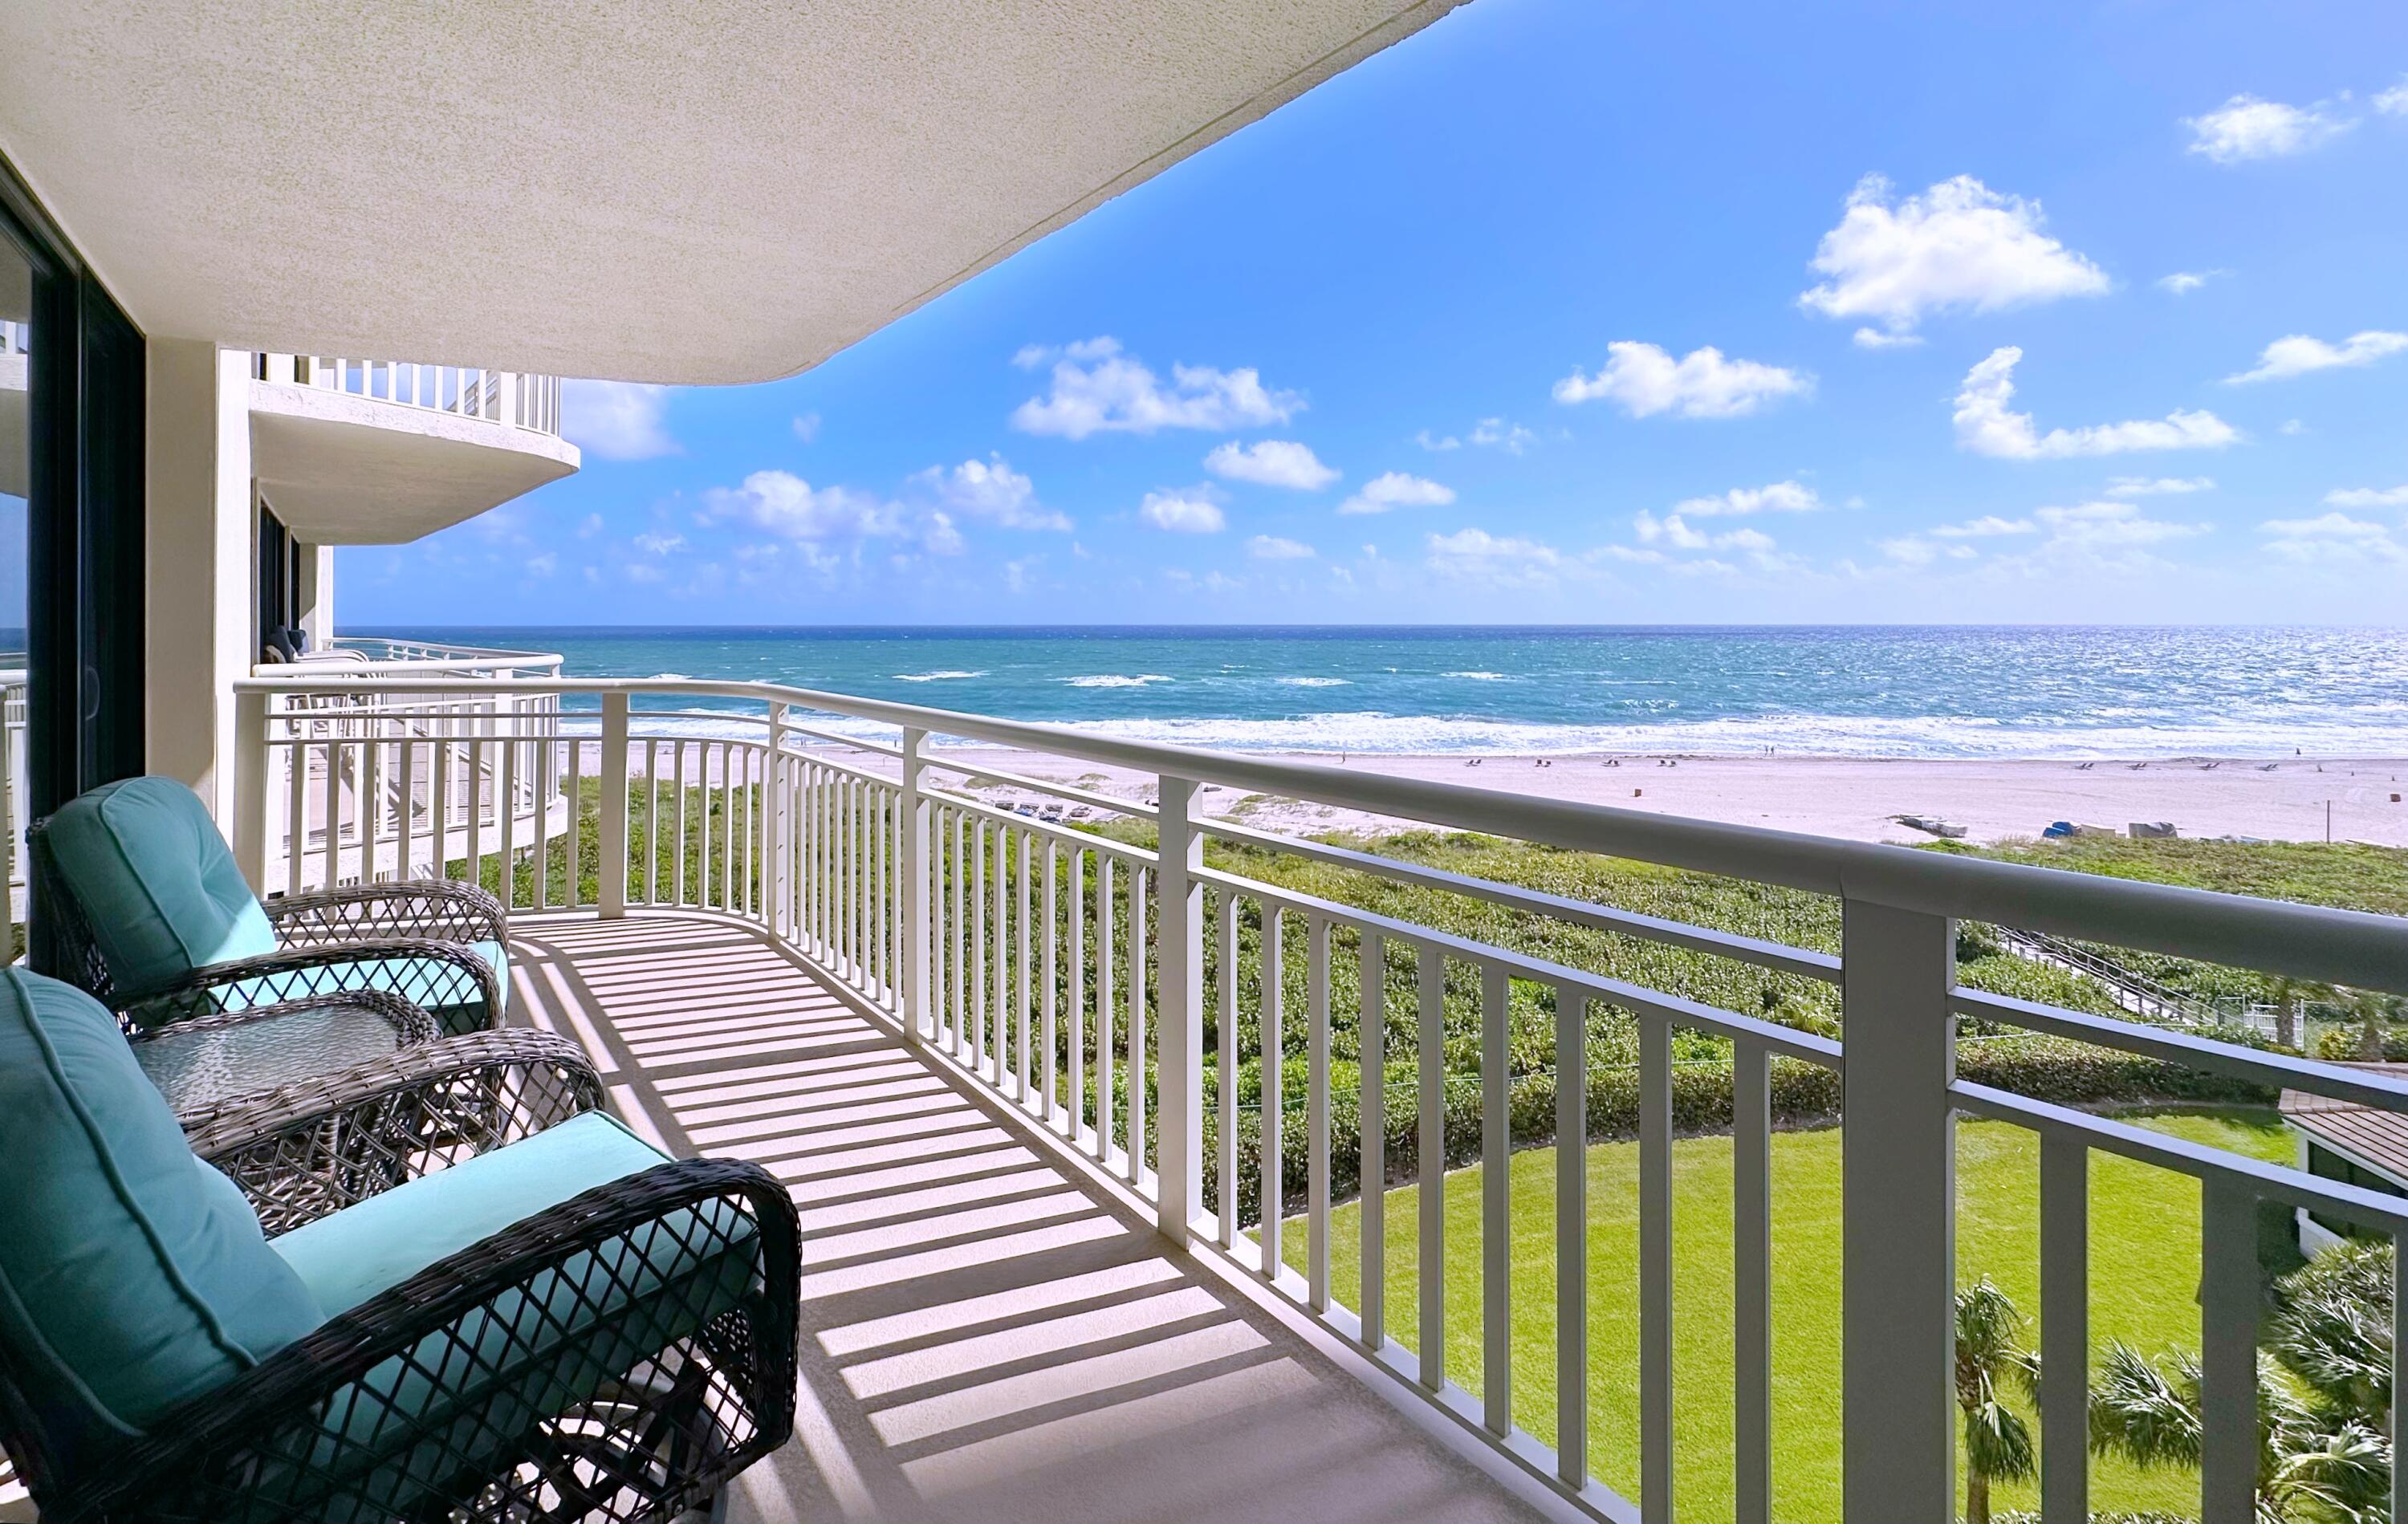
201	604
315	613
1179	1010
1897	1171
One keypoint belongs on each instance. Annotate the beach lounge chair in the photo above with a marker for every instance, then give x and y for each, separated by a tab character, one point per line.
150	915
566	1325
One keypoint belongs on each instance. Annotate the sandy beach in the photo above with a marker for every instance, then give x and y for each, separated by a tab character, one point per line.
1851	798
1856	798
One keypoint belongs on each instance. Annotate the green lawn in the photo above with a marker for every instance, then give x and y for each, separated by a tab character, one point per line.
2144	1272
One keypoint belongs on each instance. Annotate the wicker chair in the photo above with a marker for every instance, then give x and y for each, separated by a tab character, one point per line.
614	1357
434	943
204	1064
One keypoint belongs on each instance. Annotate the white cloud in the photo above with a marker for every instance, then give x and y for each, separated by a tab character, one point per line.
2184	282
2246	127
619	420
1272	548
1988	526
1780	497
1098	390
643	571
1019	576
544	564
1474	555
2297	354
2292	426
1270	463
1397	489
1986	426
1488	432
2100	525
2331	536
658	543
1959	247
1646	381
2368	498
1495	434
1878	338
2394	102
2158	486
589	526
992	490
939	536
1915	551
785	504
807	427
1188	511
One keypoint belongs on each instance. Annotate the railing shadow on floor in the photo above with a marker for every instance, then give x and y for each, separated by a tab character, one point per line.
988	1336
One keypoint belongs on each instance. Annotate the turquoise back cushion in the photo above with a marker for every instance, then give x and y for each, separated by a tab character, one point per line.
156	882
133	1277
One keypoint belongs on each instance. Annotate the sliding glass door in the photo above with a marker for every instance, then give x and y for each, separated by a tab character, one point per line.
71	514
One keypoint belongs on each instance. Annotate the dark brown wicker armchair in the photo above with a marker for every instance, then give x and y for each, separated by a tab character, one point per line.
613	1359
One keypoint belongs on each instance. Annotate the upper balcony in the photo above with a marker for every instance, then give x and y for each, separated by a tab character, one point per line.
385	452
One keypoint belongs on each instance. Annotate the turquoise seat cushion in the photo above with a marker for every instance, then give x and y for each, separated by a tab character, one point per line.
348	1255
156	883
441	988
564	1337
133	1277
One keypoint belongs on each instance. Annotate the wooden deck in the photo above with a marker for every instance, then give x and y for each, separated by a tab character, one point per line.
989	1335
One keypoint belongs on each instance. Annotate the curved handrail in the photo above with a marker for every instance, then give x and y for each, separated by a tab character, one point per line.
2345	946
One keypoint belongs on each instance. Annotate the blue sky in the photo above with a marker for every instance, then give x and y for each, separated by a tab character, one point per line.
1566	310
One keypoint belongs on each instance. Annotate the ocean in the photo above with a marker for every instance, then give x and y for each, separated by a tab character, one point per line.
1945	692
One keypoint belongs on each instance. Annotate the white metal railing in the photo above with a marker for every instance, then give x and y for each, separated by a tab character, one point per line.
12	799
516	398
1014	947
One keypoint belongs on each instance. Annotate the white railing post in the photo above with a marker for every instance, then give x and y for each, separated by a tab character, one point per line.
914	873
775	819
250	823
611	841
1899	1232
1178	1012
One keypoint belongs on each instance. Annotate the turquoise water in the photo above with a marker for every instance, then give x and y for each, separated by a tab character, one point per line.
1954	692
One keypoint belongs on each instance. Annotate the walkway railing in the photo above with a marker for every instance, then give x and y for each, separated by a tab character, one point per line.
516	398
1067	972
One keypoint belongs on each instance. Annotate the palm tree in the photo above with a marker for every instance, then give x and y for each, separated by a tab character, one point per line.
1998	1443
2324	1395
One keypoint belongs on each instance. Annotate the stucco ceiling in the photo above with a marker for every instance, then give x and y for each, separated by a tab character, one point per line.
704	190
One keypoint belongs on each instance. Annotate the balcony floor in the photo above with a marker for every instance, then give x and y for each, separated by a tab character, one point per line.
989	1337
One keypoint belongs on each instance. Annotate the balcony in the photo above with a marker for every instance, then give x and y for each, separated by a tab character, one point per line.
382	452
1056	1270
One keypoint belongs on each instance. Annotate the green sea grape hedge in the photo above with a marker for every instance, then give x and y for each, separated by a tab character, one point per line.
2042	1067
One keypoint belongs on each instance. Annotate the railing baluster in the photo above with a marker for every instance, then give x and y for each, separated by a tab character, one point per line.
1075	1000
1752	1281
329	858
2064	1328
1050	973
981	956
1655	1270
999	891
408	823
1429	1162
506	805
1225	995
1020	1045
1272	1160
610	838
572	839
1373	1038
1571	1237
677	791
1103	1007
296	802
1495	1221
651	819
960	942
2227	1318
2399	1377
1136	1066
1316	1112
